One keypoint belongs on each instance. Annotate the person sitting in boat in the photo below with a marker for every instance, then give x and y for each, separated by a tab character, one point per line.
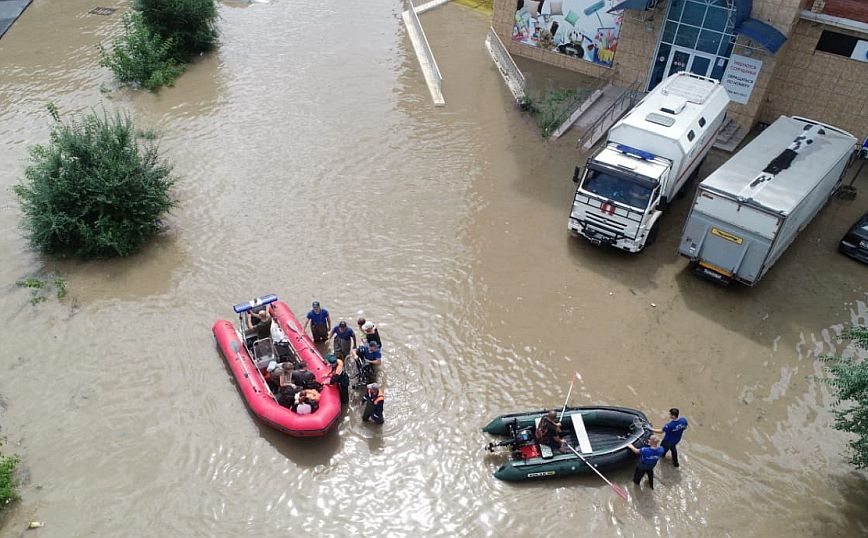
343	336
275	373
304	378
308	397
256	317
339	377
548	432
286	395
370	331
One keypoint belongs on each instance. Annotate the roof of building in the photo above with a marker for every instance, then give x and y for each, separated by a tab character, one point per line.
796	166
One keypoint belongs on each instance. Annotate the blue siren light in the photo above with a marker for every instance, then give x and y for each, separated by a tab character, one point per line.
250	305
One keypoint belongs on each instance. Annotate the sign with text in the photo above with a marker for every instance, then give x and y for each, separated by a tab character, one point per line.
740	77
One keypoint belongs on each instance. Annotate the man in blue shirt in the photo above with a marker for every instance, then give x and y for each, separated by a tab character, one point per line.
648	458
320	323
343	336
672	431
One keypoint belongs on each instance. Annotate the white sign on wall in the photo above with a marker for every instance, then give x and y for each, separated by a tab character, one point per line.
860	51
740	77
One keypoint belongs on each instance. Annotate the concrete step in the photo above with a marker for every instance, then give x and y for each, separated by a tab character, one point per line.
577	113
592	125
730	136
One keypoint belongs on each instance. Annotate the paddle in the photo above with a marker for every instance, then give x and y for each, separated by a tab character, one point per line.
617	489
576	375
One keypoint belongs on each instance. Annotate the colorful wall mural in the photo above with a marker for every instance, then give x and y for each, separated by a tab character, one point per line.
579	28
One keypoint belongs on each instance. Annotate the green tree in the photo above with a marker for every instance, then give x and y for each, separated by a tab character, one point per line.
141	56
190	24
849	379
92	190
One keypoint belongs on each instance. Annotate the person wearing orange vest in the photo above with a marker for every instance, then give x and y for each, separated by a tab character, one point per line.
374	404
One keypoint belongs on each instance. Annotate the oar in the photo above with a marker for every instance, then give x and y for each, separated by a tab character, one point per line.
618	489
576	375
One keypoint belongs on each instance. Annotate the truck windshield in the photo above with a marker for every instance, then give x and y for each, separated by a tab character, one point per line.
617	189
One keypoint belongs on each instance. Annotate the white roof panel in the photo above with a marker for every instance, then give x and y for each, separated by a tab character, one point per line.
681	89
781	192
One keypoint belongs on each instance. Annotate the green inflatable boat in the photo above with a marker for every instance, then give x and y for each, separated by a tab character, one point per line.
601	434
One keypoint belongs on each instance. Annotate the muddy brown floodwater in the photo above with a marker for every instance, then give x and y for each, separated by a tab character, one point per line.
315	167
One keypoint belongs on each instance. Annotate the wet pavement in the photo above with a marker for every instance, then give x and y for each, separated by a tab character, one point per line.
315	167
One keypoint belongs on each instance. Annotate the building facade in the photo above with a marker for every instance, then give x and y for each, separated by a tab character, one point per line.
794	57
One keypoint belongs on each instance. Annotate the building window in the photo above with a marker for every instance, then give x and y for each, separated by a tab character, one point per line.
697	37
843	45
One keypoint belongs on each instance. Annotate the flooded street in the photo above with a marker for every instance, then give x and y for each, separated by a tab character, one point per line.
314	166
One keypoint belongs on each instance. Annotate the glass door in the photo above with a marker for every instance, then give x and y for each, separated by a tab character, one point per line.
689	60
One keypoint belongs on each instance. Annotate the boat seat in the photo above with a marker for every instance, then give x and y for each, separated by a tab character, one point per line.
581	433
545	451
263	352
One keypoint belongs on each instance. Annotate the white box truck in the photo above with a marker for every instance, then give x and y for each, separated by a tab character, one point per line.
649	156
748	211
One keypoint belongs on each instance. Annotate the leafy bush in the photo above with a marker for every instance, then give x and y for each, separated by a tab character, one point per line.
8	486
849	379
190	24
92	191
141	56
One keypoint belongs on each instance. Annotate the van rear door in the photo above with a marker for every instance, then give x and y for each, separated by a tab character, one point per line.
727	240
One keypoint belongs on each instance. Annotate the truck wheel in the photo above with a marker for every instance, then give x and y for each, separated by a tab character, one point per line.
652	235
682	192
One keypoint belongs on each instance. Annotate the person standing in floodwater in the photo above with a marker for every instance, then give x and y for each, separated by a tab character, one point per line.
648	458
320	323
672	432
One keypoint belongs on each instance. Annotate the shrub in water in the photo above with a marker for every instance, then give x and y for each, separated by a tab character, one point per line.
191	24
8	487
92	191
141	56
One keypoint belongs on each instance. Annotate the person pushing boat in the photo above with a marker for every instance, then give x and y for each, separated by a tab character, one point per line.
672	432
648	458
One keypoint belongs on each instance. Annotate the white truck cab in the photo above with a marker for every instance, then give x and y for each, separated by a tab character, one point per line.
649	156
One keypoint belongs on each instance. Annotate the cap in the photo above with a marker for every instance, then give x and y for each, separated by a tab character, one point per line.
368	326
374	386
315	304
331	358
343	323
373	343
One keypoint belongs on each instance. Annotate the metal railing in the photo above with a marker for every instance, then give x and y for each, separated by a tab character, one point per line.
566	112
621	104
510	72
423	48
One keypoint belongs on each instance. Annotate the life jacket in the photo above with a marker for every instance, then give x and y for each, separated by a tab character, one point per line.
376	397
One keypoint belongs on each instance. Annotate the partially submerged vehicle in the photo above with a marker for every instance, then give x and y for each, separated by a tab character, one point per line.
599	433
249	351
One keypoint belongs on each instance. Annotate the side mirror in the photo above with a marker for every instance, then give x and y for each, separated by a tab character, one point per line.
577	174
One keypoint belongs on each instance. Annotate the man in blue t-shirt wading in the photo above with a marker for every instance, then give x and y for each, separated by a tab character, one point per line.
320	323
673	430
648	458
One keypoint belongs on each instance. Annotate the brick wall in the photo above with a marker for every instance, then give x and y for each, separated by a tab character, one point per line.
855	10
817	85
795	81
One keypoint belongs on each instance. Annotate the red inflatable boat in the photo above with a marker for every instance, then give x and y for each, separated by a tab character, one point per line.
252	383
